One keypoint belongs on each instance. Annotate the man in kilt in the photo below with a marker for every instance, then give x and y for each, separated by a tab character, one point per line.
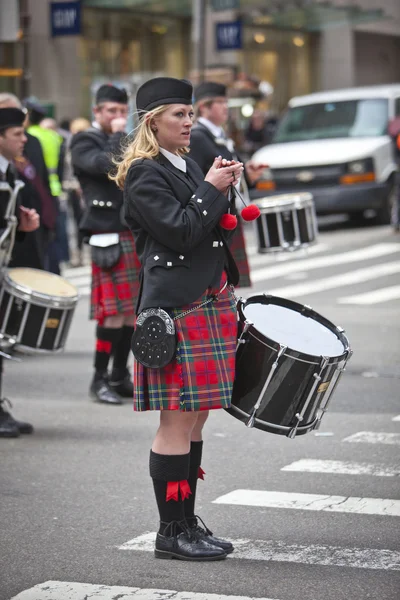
173	212
208	140
115	265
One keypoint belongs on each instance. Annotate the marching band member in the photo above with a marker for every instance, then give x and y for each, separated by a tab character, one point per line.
173	212
12	141
115	267
208	140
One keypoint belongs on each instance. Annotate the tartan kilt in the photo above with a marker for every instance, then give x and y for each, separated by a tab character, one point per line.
115	290
202	374
237	246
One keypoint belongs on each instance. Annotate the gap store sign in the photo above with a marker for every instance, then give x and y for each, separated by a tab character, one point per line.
65	18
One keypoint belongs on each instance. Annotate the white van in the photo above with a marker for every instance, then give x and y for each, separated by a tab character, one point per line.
335	145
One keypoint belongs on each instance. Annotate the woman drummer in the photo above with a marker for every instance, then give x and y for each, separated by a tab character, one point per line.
173	212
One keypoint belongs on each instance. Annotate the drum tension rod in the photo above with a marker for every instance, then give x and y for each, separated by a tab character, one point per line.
299	416
252	418
247	325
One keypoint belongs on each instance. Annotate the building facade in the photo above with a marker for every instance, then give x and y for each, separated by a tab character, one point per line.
295	46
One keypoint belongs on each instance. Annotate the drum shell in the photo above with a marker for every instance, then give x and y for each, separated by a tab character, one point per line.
289	388
33	322
287	222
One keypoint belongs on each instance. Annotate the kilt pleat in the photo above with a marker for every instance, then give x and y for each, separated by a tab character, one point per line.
202	374
238	248
115	290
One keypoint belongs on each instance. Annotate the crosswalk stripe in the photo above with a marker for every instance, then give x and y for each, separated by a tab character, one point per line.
374	437
396	418
70	590
337	281
341	468
278	258
317	502
277	551
382	295
361	254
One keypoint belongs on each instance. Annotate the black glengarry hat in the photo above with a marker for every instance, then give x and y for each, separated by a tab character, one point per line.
163	90
209	89
11	117
111	93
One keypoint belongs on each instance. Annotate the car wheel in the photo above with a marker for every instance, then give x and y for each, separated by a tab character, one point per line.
384	214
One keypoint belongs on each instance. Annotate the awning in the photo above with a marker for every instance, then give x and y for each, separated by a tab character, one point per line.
305	15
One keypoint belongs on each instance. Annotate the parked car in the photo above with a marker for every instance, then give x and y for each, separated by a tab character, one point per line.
335	144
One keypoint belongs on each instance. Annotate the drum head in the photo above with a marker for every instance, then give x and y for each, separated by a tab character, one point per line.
44	283
290	328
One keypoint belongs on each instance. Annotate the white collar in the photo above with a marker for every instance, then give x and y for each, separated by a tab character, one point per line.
96	125
217	132
176	160
4	164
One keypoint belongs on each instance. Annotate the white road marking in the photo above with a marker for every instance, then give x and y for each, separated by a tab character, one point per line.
367	253
374	437
337	281
382	295
275	551
273	260
361	506
69	590
341	468
396	418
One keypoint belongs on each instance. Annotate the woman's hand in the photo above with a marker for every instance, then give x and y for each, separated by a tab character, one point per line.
224	173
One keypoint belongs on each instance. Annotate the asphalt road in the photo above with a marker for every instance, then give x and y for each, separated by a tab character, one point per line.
76	498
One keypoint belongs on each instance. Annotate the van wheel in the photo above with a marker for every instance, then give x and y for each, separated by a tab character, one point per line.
384	214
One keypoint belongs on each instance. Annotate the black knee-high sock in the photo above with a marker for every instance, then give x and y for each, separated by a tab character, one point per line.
196	450
122	350
106	340
165	469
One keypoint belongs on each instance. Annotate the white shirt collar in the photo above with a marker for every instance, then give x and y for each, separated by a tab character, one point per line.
3	164
217	132
176	160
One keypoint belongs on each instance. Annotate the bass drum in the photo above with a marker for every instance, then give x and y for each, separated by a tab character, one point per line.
288	363
36	310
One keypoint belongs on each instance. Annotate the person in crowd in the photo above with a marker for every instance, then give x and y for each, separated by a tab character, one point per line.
31	250
208	140
51	143
173	211
115	266
72	189
12	141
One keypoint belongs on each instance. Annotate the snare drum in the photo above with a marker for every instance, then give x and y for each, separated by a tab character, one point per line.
36	310
287	222
289	360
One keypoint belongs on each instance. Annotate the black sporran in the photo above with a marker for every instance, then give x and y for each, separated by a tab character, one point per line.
106	250
154	338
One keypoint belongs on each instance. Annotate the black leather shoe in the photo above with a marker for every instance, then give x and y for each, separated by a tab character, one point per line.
101	392
121	382
186	545
205	534
8	426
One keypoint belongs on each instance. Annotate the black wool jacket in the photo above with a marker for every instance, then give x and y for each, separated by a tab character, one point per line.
92	153
174	219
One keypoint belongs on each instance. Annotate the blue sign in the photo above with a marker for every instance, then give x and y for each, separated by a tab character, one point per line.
229	35
65	18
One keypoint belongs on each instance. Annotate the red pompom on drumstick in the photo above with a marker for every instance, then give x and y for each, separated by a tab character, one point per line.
249	213
228	221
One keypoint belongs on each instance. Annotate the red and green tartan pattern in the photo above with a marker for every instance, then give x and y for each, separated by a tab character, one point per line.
114	291
202	374
237	246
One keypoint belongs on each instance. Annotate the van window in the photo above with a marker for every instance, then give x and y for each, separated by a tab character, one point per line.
397	107
350	118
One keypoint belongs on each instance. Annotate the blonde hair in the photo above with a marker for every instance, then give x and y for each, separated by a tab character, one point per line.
144	145
79	124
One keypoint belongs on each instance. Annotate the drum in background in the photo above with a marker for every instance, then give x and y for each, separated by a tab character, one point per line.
287	222
289	360
36	310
